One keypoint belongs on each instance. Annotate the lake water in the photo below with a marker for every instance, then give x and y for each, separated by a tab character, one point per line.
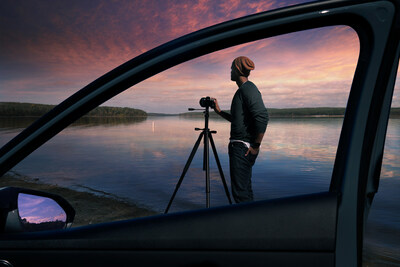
141	161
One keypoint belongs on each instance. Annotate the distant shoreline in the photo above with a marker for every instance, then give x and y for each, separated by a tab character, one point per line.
27	110
292	113
15	109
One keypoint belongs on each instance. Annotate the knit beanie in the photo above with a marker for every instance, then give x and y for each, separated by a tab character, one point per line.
243	65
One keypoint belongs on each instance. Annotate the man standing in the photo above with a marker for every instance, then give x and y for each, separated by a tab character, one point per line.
249	119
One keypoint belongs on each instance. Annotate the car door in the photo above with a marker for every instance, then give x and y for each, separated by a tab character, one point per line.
322	229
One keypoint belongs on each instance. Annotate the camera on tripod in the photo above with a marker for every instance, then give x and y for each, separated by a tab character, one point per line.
206	133
207	102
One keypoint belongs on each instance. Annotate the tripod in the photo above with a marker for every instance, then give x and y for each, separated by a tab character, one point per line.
207	134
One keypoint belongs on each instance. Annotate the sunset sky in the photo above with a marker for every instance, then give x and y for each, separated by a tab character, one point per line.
38	209
51	49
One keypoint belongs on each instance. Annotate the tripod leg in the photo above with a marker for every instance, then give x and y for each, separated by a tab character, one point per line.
221	173
206	164
196	146
205	142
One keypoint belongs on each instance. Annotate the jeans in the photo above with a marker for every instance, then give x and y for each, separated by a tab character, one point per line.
241	169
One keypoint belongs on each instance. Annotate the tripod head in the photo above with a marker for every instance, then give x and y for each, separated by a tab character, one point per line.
205	102
206	116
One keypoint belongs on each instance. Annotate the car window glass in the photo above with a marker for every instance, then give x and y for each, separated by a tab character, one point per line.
382	230
118	163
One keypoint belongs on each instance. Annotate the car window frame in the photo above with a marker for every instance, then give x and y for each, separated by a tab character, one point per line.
364	127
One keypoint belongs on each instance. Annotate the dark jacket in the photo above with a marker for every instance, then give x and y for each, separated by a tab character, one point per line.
249	115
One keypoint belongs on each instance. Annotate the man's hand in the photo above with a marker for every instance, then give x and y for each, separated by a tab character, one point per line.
253	151
216	106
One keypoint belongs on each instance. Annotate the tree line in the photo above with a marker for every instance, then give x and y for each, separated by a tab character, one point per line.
14	109
298	112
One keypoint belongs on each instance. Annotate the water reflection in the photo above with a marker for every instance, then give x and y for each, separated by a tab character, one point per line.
141	161
314	139
148	155
107	121
10	124
17	124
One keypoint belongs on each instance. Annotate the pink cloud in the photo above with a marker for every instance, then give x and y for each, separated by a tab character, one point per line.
76	48
316	73
262	5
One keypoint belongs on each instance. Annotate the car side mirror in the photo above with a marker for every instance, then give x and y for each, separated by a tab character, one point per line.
25	210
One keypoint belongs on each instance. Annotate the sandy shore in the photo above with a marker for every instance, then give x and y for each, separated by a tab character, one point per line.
90	208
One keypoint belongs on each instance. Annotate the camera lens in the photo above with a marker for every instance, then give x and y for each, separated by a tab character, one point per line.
206	102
